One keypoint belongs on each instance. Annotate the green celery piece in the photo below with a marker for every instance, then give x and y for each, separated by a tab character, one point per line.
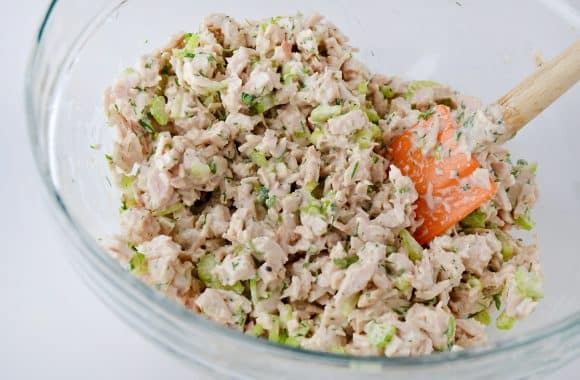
525	221
504	322
474	220
529	284
138	263
380	334
324	112
483	317
413	248
157	110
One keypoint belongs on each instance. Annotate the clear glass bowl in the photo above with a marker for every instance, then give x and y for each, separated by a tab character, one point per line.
480	48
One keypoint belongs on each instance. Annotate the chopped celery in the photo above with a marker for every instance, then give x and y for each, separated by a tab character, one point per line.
254	290
157	110
238	287
310	186
191	42
504	321
380	334
387	92
292	341
199	170
287	74
482	317
402	283
349	304
413	248
529	284
126	184
345	262
315	135
507	250
205	266
414	86
258	104
474	282
363	87
138	263
474	220
168	210
372	115
324	112
274	332
365	136
525	221
450	333
264	103
257	330
259	158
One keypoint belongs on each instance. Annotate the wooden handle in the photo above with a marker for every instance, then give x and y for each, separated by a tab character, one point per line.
525	101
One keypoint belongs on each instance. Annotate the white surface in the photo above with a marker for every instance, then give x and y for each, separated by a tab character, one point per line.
51	326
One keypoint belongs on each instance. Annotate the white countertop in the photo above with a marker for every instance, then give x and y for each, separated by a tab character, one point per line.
51	325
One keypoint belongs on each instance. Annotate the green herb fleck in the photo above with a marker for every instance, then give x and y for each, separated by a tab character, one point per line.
145	123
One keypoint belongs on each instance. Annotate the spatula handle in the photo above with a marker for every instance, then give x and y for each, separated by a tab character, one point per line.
531	96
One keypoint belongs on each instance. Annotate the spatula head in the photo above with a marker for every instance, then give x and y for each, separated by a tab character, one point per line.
445	177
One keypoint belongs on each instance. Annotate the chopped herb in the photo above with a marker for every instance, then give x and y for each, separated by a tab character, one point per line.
427	114
145	123
354	170
262	194
212	167
109	158
497	300
248	99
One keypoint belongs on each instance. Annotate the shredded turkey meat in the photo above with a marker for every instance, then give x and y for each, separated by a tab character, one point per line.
257	190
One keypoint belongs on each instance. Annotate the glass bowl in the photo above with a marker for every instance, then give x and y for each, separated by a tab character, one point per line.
479	48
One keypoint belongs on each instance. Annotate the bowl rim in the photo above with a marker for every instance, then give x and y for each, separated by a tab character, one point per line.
83	240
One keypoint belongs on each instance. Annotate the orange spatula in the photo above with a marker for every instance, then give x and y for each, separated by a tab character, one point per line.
445	178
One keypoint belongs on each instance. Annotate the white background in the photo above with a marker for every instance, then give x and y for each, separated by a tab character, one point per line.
51	326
